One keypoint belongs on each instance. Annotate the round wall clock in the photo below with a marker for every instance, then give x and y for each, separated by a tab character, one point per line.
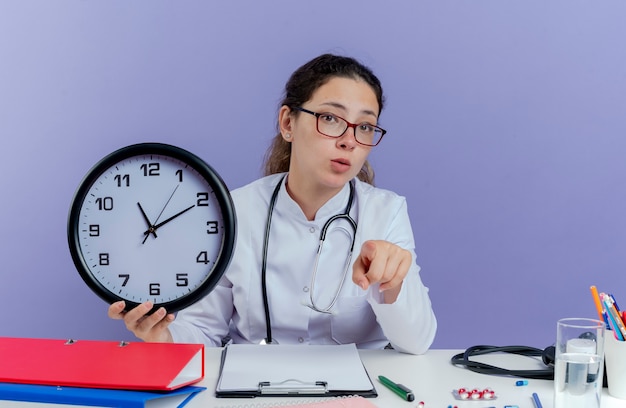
153	222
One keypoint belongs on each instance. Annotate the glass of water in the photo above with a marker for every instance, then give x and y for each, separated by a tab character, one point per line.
579	366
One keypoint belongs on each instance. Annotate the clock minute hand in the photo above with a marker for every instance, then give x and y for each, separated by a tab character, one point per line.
152	228
162	223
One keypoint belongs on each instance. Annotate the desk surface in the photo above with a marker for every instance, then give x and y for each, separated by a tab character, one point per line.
431	377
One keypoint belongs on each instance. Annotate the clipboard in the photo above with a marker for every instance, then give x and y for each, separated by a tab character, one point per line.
249	370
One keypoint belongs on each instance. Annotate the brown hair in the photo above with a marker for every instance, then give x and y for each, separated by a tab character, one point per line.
300	88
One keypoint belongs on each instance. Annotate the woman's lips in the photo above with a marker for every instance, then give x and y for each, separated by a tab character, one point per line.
340	165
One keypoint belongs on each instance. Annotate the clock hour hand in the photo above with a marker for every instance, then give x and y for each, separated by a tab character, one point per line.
153	228
145	217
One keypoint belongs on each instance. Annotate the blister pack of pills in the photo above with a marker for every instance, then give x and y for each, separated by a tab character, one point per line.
474	394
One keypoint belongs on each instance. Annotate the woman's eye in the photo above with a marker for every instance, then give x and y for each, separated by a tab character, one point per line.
366	128
328	118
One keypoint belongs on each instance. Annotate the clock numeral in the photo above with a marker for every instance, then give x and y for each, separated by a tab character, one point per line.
155	289
203	257
122	180
125	277
182	279
203	199
212	227
94	230
104	259
179	173
151	169
104	203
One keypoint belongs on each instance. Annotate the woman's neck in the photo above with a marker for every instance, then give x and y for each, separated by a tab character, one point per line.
309	197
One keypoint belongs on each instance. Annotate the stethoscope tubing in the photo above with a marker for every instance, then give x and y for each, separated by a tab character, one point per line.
345	215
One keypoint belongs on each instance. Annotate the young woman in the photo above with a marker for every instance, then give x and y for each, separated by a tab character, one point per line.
293	278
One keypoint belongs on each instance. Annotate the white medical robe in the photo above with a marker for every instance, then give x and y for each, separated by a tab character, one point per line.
235	306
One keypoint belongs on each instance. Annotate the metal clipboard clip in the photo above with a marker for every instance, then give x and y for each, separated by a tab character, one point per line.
293	386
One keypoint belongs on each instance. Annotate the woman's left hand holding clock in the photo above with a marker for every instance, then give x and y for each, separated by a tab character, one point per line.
147	327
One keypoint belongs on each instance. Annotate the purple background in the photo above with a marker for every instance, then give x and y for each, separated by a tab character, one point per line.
506	128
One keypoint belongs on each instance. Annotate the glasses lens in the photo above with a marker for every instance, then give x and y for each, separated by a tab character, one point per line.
331	125
368	134
334	126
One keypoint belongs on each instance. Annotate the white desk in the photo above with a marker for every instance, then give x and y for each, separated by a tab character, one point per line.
431	377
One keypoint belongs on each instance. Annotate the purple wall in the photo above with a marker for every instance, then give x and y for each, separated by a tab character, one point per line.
506	127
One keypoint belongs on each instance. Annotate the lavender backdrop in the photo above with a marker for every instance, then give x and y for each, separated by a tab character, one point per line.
506	127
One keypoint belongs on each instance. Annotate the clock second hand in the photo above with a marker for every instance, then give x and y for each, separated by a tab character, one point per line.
151	228
166	203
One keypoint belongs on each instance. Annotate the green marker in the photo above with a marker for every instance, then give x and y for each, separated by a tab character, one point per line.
401	390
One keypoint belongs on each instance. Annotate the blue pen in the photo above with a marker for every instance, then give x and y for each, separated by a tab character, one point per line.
615	321
605	316
615	329
536	400
614	302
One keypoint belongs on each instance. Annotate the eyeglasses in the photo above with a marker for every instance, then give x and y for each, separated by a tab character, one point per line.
334	126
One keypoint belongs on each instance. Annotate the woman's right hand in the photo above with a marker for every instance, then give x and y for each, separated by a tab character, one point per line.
150	328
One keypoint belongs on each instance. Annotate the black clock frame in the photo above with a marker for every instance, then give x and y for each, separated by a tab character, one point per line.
222	196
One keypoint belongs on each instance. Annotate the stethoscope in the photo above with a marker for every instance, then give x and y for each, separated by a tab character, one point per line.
345	215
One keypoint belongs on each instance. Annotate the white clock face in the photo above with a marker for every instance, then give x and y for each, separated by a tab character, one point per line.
150	227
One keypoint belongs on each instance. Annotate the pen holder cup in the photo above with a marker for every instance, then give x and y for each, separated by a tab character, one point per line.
615	363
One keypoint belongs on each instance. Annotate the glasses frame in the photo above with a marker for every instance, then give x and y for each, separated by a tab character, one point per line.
350	125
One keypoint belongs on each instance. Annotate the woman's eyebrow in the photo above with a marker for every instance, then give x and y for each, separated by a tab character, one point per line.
342	107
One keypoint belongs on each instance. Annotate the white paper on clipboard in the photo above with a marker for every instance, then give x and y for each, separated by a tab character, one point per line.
246	366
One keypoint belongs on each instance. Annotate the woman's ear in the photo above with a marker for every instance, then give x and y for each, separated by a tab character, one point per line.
285	122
